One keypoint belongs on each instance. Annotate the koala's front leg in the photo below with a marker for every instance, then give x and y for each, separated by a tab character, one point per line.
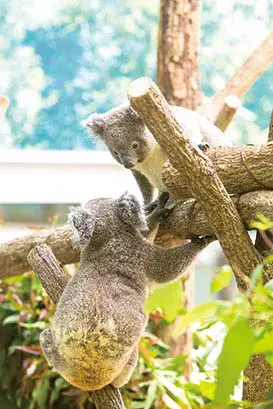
167	264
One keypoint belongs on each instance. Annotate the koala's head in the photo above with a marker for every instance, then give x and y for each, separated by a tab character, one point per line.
124	133
100	219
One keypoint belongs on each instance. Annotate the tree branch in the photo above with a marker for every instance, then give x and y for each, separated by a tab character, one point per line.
189	219
186	220
227	112
54	280
48	270
243	79
13	254
198	173
241	169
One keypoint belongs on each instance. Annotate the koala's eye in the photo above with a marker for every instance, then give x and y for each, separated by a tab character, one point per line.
135	145
115	153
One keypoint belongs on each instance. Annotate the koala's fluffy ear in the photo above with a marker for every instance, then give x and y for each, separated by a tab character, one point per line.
95	123
131	212
83	224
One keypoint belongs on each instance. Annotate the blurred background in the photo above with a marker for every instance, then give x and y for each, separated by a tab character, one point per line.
62	60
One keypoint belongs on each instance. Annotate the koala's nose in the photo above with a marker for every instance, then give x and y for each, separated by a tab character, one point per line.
127	161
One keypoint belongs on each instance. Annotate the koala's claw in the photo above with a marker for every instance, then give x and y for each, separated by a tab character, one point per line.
158	204
203	146
150	207
203	241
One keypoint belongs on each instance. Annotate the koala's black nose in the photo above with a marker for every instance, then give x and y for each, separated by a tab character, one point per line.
127	161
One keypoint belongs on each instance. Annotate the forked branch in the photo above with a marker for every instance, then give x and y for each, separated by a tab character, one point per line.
243	79
198	173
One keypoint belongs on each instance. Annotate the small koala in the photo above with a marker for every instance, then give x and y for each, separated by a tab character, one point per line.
132	144
99	317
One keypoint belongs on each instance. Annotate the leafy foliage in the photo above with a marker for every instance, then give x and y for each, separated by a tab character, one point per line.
226	334
62	60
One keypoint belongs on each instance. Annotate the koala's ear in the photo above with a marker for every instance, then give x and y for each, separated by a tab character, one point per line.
131	212
95	123
82	223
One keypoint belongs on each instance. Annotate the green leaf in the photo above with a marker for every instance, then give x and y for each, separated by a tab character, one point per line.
151	395
256	274
11	319
265	344
200	314
169	384
170	403
208	389
39	324
263	222
237	349
269	285
168	297
221	280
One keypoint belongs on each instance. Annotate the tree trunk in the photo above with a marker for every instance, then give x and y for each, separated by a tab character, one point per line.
259	372
178	51
178	79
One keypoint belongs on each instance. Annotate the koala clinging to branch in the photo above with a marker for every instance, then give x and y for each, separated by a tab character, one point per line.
99	317
132	144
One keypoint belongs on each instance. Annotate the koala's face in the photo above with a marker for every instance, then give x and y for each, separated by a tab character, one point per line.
124	134
100	219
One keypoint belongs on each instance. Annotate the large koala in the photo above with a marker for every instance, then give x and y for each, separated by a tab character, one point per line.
99	317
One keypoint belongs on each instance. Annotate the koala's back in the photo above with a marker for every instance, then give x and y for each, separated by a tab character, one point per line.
99	319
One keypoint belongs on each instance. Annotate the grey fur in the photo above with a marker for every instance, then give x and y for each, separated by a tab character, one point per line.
121	129
99	317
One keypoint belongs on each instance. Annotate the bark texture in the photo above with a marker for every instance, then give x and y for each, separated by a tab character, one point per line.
178	49
198	173
259	372
227	112
54	280
186	220
241	169
243	78
13	254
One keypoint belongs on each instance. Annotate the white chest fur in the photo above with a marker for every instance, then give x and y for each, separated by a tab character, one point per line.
152	167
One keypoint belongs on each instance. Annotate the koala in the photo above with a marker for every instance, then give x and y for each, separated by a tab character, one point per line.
99	317
132	144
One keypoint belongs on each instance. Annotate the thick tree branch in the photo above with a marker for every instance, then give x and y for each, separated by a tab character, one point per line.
241	169
198	173
54	280
178	49
189	218
186	220
13	254
48	270
243	79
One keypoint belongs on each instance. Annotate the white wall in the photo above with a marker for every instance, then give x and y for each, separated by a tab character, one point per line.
32	176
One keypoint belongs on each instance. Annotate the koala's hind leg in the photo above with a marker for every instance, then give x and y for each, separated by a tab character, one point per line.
127	371
50	350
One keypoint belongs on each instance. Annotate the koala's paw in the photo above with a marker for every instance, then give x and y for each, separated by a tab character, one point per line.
161	210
